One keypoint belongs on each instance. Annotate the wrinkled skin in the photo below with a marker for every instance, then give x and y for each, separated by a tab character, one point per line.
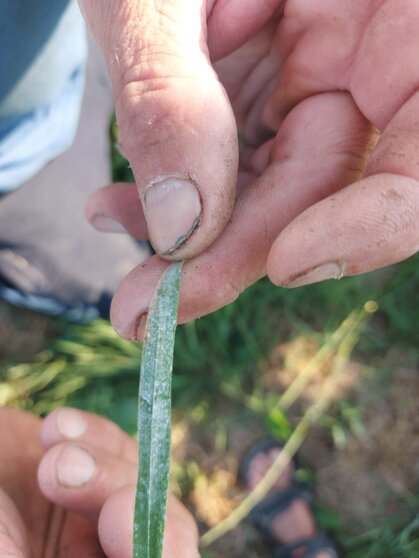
325	97
41	518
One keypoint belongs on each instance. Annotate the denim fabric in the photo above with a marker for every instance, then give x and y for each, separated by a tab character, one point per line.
42	57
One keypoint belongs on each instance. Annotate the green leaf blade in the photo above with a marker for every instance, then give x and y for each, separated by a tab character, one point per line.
154	417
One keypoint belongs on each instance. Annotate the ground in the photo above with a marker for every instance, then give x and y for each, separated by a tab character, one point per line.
231	369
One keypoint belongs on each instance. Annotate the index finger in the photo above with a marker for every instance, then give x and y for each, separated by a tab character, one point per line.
318	150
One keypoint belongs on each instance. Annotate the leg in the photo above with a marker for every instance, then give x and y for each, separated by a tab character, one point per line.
51	260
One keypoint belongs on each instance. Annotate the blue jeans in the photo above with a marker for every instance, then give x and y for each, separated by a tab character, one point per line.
42	57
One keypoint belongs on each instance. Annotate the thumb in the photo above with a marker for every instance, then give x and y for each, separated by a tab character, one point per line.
177	126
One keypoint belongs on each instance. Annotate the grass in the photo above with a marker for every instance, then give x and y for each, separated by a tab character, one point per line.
220	362
396	537
220	384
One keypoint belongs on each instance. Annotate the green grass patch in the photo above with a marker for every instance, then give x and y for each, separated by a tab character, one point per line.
220	361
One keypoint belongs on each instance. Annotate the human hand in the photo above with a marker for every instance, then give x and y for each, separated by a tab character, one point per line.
319	194
82	502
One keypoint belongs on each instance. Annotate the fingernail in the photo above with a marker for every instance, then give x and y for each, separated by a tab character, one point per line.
106	224
320	273
75	467
71	424
140	327
173	211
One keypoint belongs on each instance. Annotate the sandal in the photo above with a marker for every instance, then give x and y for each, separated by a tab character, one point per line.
276	503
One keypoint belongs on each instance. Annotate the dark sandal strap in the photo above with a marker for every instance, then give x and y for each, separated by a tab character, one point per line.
273	505
311	548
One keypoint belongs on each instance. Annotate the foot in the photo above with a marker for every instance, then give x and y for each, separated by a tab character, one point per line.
296	521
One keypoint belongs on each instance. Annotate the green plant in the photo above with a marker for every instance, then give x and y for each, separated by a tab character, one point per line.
398	536
220	366
154	417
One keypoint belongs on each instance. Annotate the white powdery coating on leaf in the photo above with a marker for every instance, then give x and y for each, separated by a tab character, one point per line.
154	417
